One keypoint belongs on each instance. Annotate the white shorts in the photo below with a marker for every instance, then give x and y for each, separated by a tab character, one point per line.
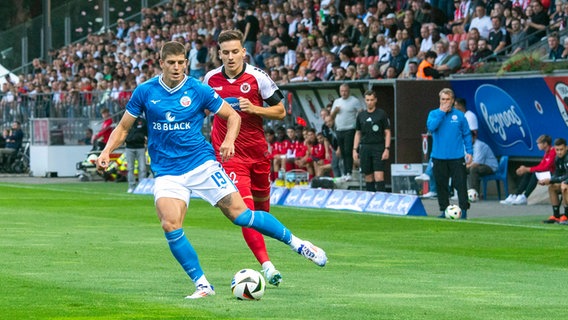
209	181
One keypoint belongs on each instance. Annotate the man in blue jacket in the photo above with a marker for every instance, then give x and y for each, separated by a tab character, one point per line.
451	137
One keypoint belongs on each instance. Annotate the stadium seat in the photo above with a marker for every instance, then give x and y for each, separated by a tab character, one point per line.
499	175
370	60
450	37
358	60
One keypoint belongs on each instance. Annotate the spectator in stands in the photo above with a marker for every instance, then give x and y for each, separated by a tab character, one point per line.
538	22
86	140
528	174
397	60
410	57
518	37
484	163
481	21
555	49
452	62
363	72
374	71
498	37
331	23
317	63
483	50
344	114
558	183
557	17
426	44
441	49
426	67
462	15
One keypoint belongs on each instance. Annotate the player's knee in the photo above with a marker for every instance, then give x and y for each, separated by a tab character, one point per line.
244	219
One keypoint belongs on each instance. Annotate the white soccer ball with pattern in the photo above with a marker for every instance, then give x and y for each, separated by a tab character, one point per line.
248	284
472	195
453	212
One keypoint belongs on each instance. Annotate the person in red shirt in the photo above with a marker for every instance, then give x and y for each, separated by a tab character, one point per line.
100	140
247	89
321	156
528	176
304	151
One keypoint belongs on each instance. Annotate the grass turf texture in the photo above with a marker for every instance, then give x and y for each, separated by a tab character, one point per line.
91	251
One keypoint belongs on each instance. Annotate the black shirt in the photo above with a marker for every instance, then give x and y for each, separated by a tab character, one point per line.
372	126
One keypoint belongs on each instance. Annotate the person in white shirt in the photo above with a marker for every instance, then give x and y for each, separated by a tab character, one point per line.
481	22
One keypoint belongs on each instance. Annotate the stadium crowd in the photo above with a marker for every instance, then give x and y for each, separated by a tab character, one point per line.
293	41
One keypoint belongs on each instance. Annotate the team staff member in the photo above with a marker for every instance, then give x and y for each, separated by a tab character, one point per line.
450	135
247	88
184	162
372	142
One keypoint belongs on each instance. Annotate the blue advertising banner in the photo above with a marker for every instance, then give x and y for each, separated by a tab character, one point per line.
398	204
277	195
513	113
307	197
348	200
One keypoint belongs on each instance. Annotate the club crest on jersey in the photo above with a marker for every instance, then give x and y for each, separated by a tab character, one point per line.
185	101
245	87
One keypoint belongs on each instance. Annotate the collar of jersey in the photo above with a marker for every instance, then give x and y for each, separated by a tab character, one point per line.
174	89
237	76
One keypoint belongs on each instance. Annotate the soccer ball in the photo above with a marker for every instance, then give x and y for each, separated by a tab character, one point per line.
248	284
472	195
453	212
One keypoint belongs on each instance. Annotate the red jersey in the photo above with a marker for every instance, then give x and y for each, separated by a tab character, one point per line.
318	152
547	162
105	131
255	85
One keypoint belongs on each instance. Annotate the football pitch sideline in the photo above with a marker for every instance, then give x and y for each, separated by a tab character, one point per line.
92	251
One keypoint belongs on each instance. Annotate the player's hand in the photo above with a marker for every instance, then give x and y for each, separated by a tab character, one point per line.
226	151
103	161
246	105
468	158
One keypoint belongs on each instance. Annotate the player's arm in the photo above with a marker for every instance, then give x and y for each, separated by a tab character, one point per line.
386	152
274	112
116	139
227	148
356	142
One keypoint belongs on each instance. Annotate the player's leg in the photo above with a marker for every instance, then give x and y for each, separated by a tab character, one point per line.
241	174
260	189
220	190
171	200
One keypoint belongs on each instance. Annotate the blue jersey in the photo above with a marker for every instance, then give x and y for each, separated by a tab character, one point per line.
450	134
175	118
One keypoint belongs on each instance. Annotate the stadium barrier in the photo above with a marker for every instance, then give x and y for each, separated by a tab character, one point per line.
337	199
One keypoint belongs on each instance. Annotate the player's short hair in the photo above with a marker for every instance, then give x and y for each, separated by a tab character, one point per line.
545	139
230	35
172	48
560	142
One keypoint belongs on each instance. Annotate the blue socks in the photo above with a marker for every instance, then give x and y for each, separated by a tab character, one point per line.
264	223
184	253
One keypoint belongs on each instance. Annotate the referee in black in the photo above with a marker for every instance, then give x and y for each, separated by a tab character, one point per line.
372	142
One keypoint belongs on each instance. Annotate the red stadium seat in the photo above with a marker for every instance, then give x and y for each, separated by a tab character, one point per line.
370	60
450	37
358	60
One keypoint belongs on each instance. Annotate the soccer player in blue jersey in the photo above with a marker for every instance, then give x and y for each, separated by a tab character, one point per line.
184	162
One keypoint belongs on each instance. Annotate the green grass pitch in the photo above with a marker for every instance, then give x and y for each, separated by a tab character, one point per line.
91	251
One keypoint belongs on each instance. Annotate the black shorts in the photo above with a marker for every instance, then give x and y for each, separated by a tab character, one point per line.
370	158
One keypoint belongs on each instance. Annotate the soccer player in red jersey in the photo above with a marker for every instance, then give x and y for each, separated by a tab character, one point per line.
247	89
